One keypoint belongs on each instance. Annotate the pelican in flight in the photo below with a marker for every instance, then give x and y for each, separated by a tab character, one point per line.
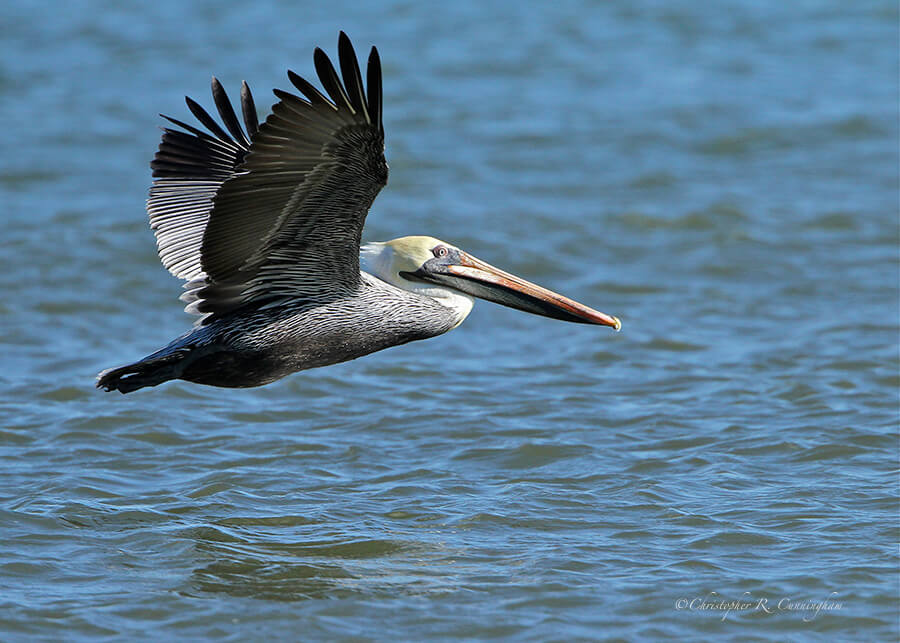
264	222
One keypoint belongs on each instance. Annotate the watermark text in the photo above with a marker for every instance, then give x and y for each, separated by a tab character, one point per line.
715	603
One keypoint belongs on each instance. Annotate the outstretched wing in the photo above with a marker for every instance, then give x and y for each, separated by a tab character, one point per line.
278	213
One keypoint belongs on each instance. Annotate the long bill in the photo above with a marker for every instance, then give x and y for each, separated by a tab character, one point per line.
479	279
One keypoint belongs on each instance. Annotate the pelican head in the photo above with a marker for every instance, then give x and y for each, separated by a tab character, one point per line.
431	267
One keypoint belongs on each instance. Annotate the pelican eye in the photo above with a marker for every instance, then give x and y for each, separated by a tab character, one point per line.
440	251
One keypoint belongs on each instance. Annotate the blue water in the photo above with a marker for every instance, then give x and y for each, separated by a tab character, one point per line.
723	177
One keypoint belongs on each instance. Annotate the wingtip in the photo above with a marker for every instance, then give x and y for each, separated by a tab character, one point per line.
374	87
196	109
248	109
345	46
375	60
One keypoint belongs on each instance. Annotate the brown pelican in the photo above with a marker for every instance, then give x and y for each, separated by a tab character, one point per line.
264	224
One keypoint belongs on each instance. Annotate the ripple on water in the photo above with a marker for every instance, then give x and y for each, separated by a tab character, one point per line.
715	217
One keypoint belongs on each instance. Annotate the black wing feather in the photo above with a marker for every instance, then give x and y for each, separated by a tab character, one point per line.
248	107
199	133
207	120
352	77
226	112
373	82
330	81
312	94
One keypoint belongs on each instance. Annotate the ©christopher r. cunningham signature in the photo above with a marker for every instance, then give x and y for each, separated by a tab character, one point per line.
713	602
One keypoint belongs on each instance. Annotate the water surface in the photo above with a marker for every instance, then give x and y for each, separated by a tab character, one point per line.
722	177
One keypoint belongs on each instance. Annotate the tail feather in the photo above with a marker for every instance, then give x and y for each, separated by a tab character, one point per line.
148	372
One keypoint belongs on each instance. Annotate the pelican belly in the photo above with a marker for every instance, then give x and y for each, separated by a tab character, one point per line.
256	347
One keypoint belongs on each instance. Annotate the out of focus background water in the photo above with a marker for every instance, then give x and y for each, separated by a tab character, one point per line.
722	176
